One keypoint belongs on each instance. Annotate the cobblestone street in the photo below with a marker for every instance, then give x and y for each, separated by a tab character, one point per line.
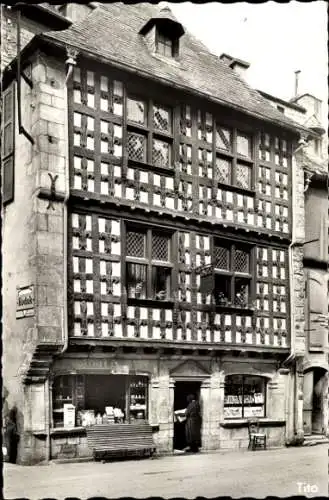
279	472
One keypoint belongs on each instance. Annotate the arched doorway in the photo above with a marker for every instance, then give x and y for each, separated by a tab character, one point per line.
315	401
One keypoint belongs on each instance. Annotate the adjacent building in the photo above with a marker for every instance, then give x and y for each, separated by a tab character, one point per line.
153	238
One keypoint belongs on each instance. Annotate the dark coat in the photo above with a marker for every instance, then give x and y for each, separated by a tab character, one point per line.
193	424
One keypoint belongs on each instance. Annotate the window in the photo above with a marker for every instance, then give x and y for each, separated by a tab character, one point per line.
96	396
280	108
233	276
8	134
149	133
234	158
244	396
164	44
148	264
317	146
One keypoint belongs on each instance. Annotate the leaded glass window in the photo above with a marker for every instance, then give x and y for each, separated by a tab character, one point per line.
136	111
160	247
243	145
243	176
233	275
161	118
223	170
223	138
136	242
161	153
136	147
149	266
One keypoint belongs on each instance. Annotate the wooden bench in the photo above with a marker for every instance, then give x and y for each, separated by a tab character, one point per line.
120	440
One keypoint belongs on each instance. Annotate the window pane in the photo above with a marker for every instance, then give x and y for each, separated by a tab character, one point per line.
136	111
8	106
223	138
241	298
223	171
222	258
243	176
136	244
8	139
233	396
222	289
254	396
161	153
241	261
161	283
160	247
164	45
243	145
161	118
136	281
8	180
136	147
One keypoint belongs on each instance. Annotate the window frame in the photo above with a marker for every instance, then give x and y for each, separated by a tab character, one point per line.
243	404
232	155
77	384
161	36
232	275
8	156
150	263
150	132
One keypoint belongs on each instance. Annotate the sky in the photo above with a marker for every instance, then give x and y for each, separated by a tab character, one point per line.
276	39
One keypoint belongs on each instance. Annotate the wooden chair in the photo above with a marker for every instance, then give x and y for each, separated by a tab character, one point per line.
256	439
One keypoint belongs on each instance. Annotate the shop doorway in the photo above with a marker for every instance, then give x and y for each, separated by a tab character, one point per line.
181	391
315	388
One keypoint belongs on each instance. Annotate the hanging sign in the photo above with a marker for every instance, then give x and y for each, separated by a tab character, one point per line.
207	278
25	301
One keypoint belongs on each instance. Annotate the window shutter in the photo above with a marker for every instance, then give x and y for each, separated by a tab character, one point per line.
7	142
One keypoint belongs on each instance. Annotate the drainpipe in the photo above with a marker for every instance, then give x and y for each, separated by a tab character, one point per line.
70	62
65	335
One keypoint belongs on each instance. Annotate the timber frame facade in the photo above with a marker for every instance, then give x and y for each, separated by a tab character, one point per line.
206	194
158	222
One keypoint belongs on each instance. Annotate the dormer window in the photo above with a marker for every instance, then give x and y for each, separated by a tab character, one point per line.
162	33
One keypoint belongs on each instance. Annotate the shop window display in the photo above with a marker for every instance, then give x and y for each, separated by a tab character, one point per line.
244	396
99	399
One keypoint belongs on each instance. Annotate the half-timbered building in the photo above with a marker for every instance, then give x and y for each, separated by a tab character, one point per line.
155	253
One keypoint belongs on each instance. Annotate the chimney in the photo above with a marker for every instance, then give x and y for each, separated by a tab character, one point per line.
297	72
237	65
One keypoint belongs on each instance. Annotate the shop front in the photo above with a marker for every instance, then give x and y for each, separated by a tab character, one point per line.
151	389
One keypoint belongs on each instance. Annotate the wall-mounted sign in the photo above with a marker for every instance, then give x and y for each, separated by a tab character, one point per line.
25	302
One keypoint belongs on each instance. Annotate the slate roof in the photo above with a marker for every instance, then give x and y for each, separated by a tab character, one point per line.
111	33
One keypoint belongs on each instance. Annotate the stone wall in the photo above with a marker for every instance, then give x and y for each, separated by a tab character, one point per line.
34	256
70	446
18	269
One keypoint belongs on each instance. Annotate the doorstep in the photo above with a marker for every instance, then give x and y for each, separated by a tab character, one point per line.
314	439
56	461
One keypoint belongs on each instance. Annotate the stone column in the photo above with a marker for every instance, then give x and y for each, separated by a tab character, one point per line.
161	411
308	401
212	399
299	399
325	402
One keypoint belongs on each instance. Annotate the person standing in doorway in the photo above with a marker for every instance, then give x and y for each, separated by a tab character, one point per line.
193	424
11	435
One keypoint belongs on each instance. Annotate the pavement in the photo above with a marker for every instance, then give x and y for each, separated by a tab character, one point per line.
279	472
